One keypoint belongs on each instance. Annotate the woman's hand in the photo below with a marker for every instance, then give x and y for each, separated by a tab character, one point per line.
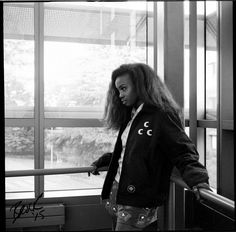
199	186
103	161
95	171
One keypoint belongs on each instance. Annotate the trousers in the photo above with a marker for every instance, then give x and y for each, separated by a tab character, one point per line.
125	217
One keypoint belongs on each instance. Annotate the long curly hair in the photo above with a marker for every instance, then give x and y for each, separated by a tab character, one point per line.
150	89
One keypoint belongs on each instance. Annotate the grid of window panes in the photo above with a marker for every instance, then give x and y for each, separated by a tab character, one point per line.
207	33
78	62
83	43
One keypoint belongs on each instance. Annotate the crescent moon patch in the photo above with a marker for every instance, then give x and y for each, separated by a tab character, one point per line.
149	132
146	124
140	131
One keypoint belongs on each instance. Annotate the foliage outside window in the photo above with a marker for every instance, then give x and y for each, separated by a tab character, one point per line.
76	69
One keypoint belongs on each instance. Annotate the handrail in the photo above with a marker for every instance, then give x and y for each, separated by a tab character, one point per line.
54	171
211	199
221	203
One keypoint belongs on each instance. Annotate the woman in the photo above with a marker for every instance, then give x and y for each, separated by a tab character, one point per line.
151	141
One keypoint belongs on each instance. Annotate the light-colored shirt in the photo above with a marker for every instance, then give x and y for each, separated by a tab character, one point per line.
124	137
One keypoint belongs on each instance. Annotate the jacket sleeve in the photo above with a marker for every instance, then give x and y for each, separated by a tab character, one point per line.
181	151
103	161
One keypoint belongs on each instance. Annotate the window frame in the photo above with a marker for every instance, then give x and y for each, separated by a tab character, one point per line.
40	122
196	125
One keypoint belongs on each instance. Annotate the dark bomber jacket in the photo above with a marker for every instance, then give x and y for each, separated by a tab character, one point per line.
156	143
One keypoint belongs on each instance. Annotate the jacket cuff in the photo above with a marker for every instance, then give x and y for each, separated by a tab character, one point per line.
104	160
201	185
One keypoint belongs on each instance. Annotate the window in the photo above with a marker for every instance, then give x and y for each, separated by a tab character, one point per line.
75	147
211	60
19	96
19	60
211	158
205	82
57	73
19	148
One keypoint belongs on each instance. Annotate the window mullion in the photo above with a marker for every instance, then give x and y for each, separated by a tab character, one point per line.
193	71
204	107
39	103
219	100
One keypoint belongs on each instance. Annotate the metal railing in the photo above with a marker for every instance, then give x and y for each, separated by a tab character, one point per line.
218	202
215	201
54	171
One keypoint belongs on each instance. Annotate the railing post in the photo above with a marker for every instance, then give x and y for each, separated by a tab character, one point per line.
171	208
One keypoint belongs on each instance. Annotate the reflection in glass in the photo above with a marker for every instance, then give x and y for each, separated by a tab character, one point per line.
200	60
206	59
211	158
211	59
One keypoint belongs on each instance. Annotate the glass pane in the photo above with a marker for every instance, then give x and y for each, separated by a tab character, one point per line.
73	185
200	61
159	30
75	147
19	149
186	83
79	59
150	37
211	158
186	59
19	60
211	59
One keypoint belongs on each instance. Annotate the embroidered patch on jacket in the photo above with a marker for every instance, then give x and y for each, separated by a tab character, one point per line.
141	219
124	215
131	189
145	130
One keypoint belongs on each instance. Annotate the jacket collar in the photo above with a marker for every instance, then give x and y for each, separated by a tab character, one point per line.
134	111
147	108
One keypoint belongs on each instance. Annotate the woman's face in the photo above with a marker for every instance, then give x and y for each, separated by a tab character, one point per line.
127	91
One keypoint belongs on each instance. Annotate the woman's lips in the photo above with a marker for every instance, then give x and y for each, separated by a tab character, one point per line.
124	101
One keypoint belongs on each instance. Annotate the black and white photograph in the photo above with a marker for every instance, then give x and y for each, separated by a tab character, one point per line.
118	115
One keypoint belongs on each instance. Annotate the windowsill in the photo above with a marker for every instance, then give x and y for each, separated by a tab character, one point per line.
52	194
19	195
72	193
